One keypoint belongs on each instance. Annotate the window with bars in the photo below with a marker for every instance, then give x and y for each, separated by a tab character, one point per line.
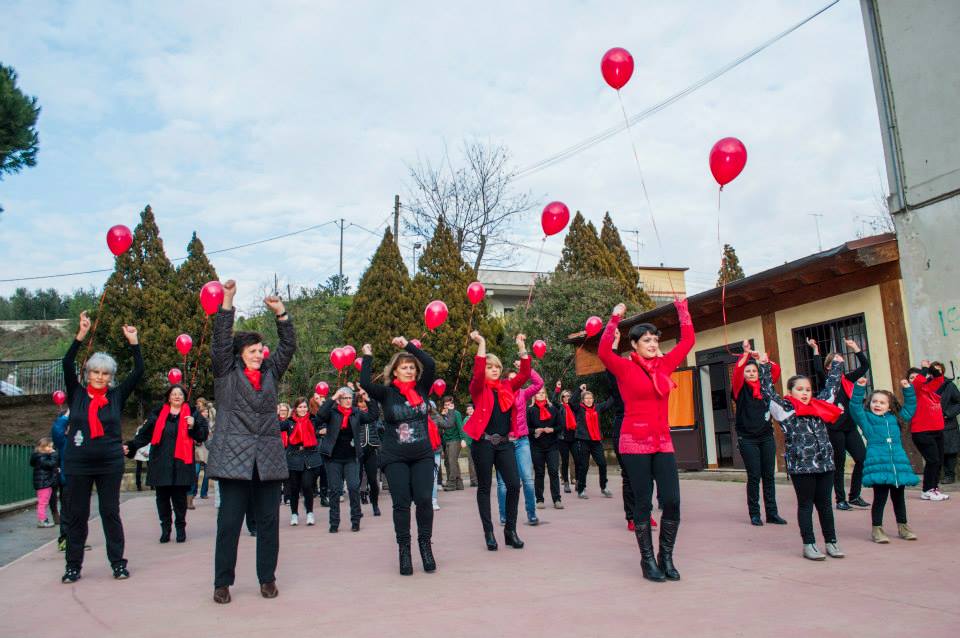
830	337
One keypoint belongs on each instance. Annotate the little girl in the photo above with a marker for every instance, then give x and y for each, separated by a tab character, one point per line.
886	467
46	465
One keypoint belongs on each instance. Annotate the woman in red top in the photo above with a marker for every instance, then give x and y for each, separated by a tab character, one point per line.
490	427
646	448
926	427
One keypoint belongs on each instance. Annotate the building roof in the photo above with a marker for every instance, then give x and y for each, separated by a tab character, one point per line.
662	267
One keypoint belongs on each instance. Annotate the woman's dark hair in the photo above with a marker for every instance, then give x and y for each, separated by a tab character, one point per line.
176	386
296	404
792	381
939	366
914	370
244	339
752	362
641	329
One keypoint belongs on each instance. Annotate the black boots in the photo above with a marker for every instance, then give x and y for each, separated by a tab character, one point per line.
651	571
376	508
491	541
181	534
668	537
165	533
406	560
510	538
426	553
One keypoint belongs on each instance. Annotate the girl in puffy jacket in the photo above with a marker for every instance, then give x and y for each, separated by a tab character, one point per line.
46	468
886	467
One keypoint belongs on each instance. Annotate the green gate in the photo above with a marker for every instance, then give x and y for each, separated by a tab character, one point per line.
16	475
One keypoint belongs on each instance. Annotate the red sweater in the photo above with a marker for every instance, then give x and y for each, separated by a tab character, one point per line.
482	396
929	414
645	428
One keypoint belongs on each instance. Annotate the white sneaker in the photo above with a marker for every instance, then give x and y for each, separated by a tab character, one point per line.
436	505
942	496
310	519
294	520
933	495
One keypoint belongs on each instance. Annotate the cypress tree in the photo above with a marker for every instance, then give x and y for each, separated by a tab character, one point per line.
610	238
192	274
730	270
584	254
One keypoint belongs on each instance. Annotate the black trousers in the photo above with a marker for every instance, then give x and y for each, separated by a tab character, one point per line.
337	472
628	497
813	490
301	483
486	456
583	451
368	472
896	494
172	503
644	470
139	475
759	458
76	514
950	466
411	482
566	451
235	499
546	458
930	446
847	442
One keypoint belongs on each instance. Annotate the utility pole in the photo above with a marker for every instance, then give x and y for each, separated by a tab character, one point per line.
416	247
276	289
289	297
341	248
816	219
636	236
396	219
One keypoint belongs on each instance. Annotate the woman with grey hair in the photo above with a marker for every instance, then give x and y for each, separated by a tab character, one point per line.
94	449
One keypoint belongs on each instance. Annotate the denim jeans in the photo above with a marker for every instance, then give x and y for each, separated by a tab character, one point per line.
204	485
521	448
436	473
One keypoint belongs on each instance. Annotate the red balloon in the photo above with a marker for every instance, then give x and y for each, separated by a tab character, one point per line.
174	376
554	218
338	358
727	159
211	296
322	388
439	387
351	353
266	352
435	314
417	343
476	292
119	239
617	67
358	363
184	343
59	397
539	348
593	326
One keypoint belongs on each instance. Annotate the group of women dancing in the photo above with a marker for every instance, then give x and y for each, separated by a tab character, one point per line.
388	424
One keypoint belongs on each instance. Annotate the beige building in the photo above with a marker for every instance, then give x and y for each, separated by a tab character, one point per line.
662	283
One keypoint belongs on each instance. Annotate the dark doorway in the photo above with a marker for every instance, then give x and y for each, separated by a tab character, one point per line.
719	362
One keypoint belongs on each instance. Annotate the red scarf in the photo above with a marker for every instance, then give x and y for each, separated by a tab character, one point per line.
544	412
254	377
755	388
847	386
98	399
826	411
571	420
345	413
593	422
284	438
409	392
303	432
662	383
504	393
184	446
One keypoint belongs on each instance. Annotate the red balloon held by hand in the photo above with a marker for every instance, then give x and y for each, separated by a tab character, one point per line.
539	348
211	296
59	397
174	376
593	326
184	343
554	218
476	292
322	388
417	343
617	67
439	387
435	314
727	159
119	239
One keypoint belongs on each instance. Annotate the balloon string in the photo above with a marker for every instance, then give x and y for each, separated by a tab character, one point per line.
196	364
643	186
93	332
533	277
723	282
463	353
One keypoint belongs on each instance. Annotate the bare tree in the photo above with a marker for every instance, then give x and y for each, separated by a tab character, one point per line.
476	198
880	223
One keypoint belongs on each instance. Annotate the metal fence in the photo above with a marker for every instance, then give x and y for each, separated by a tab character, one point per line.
43	376
16	475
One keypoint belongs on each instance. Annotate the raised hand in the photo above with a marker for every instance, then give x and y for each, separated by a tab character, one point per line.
764	358
746	347
131	335
813	345
583	387
367	350
925	363
862	381
400	342
84	326
476	337
852	345
521	340
275	304
619	310
904	383
229	290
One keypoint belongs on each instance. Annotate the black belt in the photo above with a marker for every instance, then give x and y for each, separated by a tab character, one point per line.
496	439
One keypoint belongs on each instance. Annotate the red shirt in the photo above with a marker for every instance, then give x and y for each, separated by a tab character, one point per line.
929	414
482	396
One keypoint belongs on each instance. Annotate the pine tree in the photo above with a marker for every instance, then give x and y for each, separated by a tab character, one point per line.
610	238
18	120
730	270
584	254
192	274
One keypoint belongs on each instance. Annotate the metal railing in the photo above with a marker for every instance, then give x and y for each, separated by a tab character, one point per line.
39	376
16	475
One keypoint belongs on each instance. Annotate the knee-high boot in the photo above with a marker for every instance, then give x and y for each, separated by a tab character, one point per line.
651	571
668	538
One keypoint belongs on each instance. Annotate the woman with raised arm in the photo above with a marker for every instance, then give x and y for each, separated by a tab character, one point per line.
519	434
246	452
589	438
94	450
646	449
543	420
567	437
408	442
304	459
490	428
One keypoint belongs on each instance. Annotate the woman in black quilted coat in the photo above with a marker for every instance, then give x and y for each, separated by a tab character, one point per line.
245	453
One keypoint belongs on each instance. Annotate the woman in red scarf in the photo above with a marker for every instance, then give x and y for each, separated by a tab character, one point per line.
755	435
589	439
646	449
94	452
171	431
927	426
567	423
303	459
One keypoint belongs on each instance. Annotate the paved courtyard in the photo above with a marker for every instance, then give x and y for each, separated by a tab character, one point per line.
578	576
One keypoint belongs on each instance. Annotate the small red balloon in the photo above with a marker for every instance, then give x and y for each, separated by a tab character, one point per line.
417	343
476	292
266	352
338	358
593	326
174	376
211	296
539	348
358	363
617	67
727	159
554	218
184	343
59	397
435	314
119	239
439	387
322	388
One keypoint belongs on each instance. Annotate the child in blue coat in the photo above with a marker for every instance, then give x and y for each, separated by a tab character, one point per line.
886	466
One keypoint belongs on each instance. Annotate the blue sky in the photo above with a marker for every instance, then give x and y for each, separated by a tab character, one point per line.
247	120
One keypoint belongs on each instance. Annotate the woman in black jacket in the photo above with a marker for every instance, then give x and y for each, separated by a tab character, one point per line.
171	430
950	403
844	435
566	439
369	452
304	459
94	449
409	440
543	421
589	440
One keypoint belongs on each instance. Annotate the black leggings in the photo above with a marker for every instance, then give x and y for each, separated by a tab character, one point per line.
369	480
545	459
643	470
583	452
880	493
172	502
76	514
813	490
486	456
628	497
411	482
950	466
759	458
566	451
930	446
843	443
301	482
